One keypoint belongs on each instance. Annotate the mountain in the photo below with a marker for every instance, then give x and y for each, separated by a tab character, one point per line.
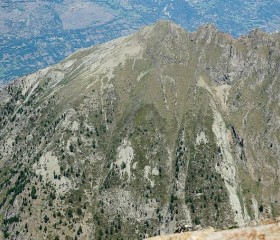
142	135
35	34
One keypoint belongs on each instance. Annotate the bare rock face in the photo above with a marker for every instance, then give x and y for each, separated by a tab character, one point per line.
268	232
142	135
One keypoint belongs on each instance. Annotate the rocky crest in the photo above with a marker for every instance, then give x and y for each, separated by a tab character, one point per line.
269	232
141	135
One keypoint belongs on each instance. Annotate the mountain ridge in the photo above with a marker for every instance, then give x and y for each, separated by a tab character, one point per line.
26	26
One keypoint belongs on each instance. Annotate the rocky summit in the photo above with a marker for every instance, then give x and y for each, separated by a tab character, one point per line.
142	135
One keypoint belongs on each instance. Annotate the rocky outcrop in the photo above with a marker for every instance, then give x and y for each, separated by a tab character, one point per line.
268	232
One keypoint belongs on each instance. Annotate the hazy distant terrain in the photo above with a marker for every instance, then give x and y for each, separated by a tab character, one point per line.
34	34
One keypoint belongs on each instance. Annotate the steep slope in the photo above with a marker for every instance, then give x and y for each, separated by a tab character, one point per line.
141	135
